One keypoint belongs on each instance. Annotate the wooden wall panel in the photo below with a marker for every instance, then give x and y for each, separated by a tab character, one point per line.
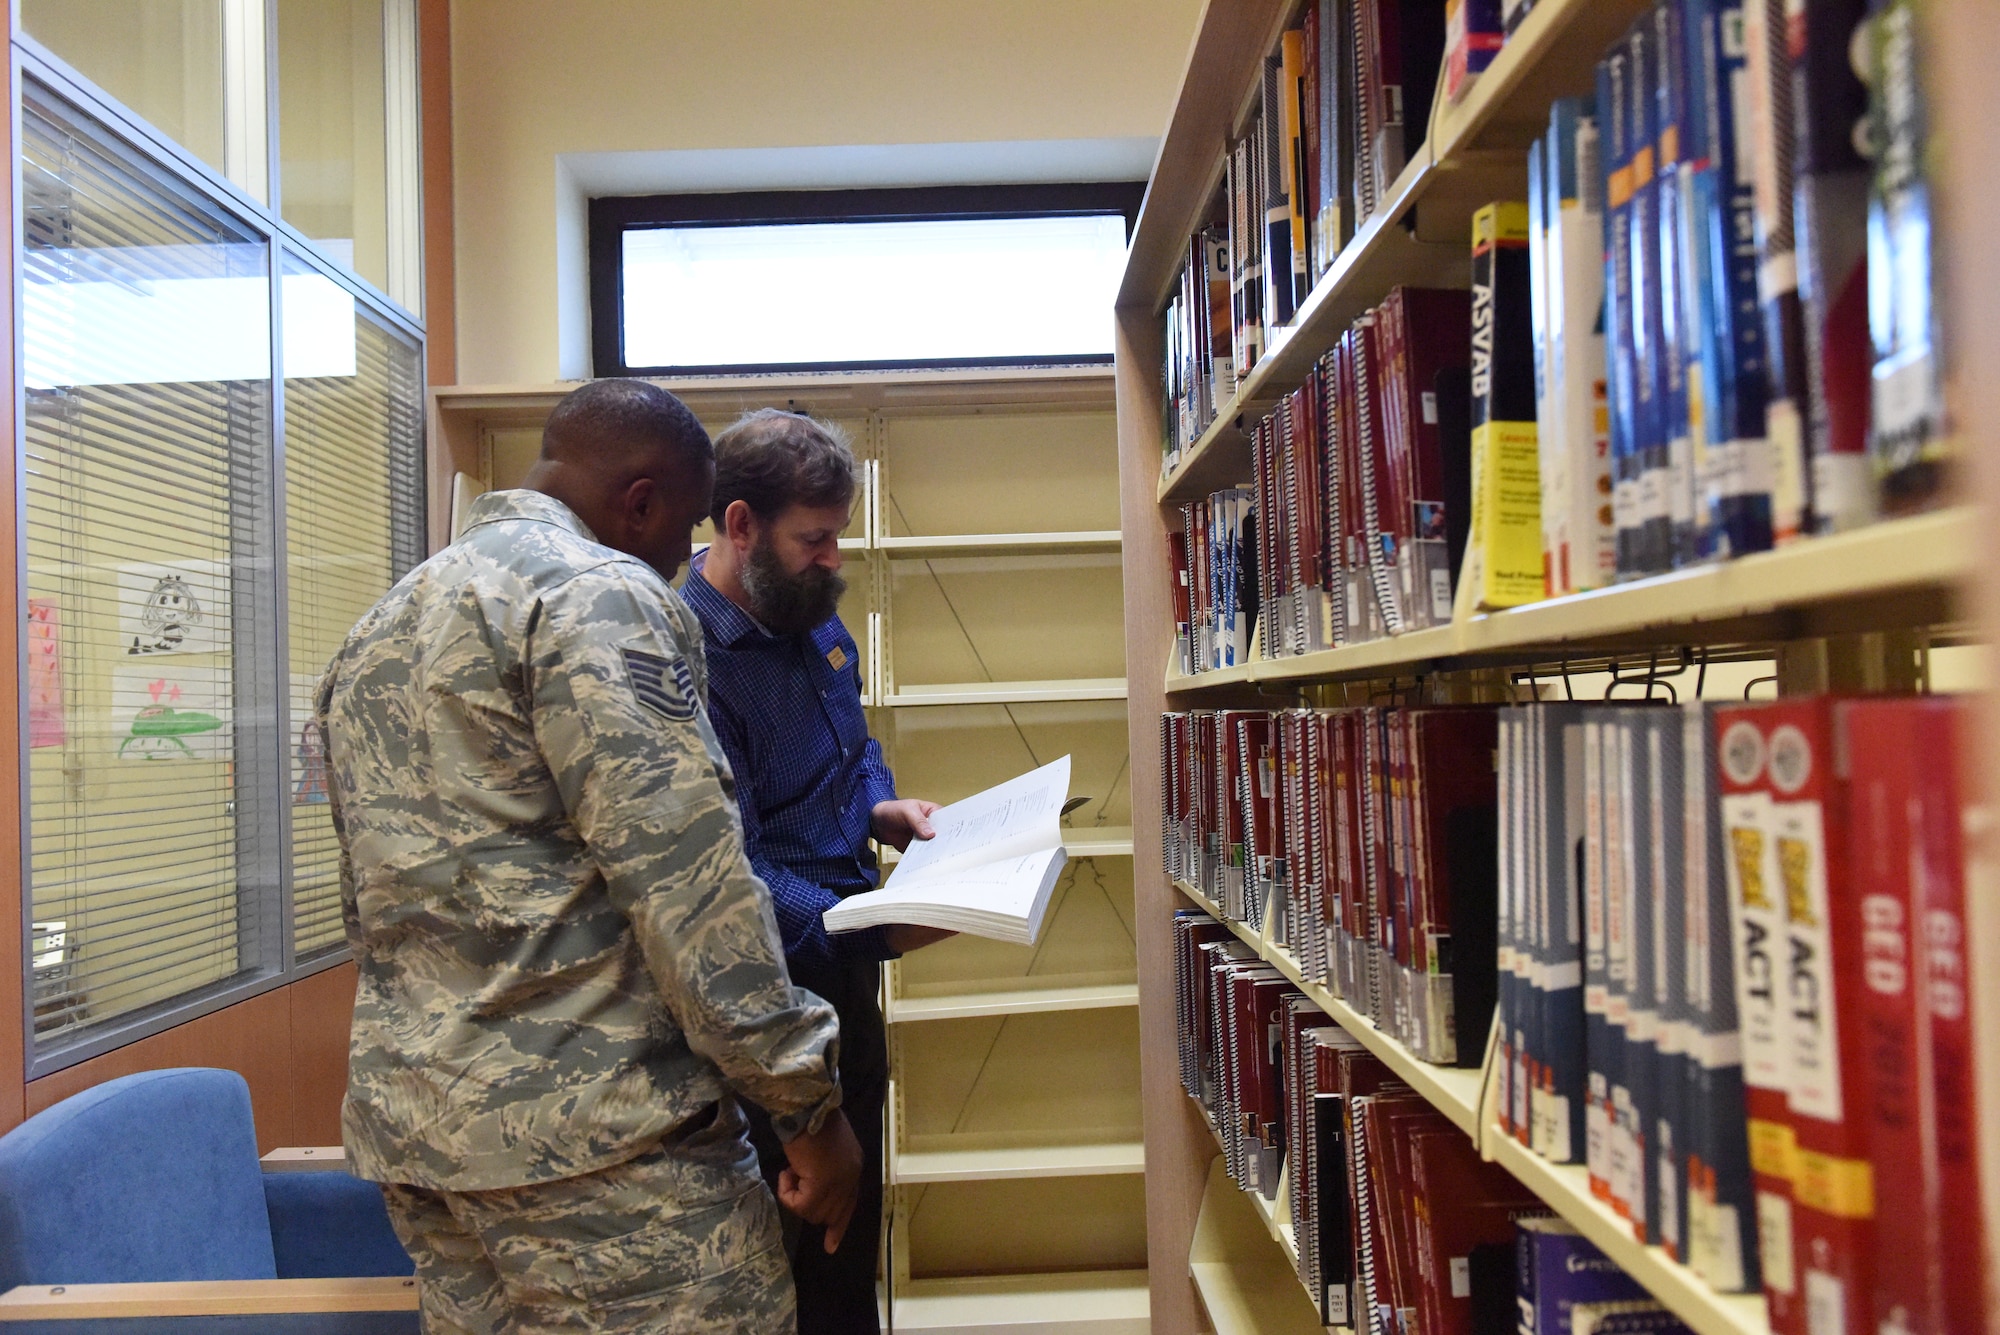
252	1037
322	1011
440	233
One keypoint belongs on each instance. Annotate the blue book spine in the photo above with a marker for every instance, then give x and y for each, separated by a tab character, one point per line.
1562	797
1721	1206
1678	345
1526	1008
1596	964
1669	1203
1568	1270
1614	105
1642	1029
1649	361
1737	470
1613	1061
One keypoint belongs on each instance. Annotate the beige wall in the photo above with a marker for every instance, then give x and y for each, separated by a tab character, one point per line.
532	80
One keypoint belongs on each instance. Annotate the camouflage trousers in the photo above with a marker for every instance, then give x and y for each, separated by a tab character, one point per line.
682	1238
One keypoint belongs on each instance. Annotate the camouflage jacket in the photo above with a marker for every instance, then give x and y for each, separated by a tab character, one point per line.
563	951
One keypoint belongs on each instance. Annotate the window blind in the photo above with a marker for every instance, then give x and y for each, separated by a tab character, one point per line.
152	658
354	503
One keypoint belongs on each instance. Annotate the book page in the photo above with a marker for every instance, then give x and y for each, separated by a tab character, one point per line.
1004	900
1020	816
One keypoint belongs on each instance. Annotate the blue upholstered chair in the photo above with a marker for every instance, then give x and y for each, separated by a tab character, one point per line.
151	1183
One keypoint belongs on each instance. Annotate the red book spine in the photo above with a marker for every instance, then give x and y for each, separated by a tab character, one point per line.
1908	797
1312	482
1177	547
1331	453
1235	838
1884	815
1758	954
1346	828
1374	823
1297	844
1946	1009
1324	852
1833	1192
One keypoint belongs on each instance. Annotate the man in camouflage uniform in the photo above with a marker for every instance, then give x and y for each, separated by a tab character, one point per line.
568	971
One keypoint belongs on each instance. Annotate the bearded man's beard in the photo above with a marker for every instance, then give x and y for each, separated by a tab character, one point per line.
784	603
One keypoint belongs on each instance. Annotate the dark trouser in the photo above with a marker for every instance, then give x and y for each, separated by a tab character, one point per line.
837	1292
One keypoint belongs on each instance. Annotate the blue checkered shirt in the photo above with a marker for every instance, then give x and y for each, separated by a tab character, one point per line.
787	709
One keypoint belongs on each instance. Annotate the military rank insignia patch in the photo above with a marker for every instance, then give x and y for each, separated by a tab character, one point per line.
663	685
837	656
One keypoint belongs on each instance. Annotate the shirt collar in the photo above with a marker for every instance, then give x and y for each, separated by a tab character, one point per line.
521	503
725	622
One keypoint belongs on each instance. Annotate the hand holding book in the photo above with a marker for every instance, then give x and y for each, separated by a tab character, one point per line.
988	871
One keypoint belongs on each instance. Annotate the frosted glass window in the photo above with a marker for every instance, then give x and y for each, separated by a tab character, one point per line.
935	290
354	524
146	340
193	69
347	136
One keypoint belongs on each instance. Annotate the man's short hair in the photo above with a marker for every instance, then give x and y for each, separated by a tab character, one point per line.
772	460
605	418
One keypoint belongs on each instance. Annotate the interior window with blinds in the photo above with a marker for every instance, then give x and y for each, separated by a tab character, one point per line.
353	526
151	675
179	842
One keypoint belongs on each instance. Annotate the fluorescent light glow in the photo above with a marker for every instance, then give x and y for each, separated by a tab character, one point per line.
147	315
950	289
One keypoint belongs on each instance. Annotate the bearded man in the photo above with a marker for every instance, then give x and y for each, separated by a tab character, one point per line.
785	701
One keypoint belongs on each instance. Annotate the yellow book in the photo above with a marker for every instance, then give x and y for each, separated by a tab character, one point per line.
1503	551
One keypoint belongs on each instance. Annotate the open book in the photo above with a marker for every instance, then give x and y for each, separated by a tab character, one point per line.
988	871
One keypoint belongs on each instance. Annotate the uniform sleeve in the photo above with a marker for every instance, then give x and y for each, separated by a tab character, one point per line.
799	902
618	718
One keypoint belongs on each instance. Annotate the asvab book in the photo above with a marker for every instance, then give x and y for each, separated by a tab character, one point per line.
988	871
1503	555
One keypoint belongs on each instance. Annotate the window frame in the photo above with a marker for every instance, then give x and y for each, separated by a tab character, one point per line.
611	216
275	967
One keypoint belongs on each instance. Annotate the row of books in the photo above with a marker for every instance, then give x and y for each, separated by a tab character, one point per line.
1709	212
1729	943
1215	581
1343	105
1733	986
1399	1227
1361	492
1708	329
1618	1020
1368	836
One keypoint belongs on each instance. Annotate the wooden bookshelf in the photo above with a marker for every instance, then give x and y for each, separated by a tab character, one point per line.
1896	574
1928	575
1092	540
1246	1283
1461	1095
1036	1161
1006	692
1019	1001
1102	1302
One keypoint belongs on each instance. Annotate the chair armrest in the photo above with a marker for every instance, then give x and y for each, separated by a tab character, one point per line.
306	1159
379	1306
